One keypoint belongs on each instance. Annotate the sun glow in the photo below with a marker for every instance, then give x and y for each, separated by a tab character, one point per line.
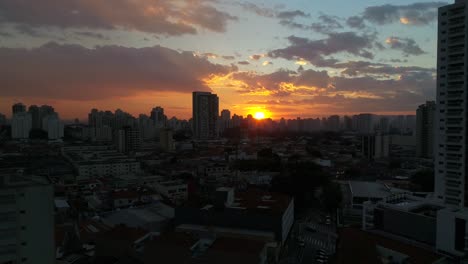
259	115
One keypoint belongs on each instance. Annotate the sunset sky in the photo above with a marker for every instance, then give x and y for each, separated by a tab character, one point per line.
292	58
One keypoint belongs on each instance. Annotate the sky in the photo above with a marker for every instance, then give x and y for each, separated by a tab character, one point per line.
295	58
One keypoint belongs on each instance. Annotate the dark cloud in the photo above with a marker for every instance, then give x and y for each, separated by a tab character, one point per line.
74	72
243	62
228	57
95	35
356	22
286	18
154	16
399	61
328	24
407	45
291	14
259	10
256	56
292	24
355	68
414	14
28	30
315	51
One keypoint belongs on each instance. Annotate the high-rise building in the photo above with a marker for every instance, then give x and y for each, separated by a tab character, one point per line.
166	140
35	112
205	115
375	146
384	124
2	119
425	117
21	125
451	137
147	127
18	108
225	120
158	117
127	139
53	126
333	123
347	123
26	219
364	123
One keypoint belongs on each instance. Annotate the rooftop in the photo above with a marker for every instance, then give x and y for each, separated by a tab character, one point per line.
371	189
183	248
357	246
253	200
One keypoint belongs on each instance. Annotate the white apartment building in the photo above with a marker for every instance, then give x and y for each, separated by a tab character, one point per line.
21	125
451	136
26	220
53	126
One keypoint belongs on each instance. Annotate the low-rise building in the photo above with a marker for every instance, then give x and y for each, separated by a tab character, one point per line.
174	190
182	248
421	220
92	162
248	213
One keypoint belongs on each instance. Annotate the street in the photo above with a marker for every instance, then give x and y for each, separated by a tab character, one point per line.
308	236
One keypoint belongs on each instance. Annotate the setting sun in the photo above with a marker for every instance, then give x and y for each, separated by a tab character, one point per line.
259	115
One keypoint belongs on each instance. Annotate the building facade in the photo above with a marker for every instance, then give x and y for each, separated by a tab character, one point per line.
425	117
26	220
205	115
21	125
451	137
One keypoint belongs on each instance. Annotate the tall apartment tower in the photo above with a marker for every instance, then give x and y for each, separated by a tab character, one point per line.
21	125
425	118
127	139
225	120
158	117
452	106
18	108
26	219
205	115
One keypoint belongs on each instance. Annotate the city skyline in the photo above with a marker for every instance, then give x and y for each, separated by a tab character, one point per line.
150	112
291	63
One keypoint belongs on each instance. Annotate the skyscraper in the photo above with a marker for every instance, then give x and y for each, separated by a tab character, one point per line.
158	117
225	120
35	112
425	115
53	126
364	123
18	108
166	140
451	137
205	115
127	139
21	125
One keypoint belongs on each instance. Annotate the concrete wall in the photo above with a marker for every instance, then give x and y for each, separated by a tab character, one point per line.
414	226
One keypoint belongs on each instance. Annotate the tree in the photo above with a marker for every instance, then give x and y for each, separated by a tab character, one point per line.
332	196
301	180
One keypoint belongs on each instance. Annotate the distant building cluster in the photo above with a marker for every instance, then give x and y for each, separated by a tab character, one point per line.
30	123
